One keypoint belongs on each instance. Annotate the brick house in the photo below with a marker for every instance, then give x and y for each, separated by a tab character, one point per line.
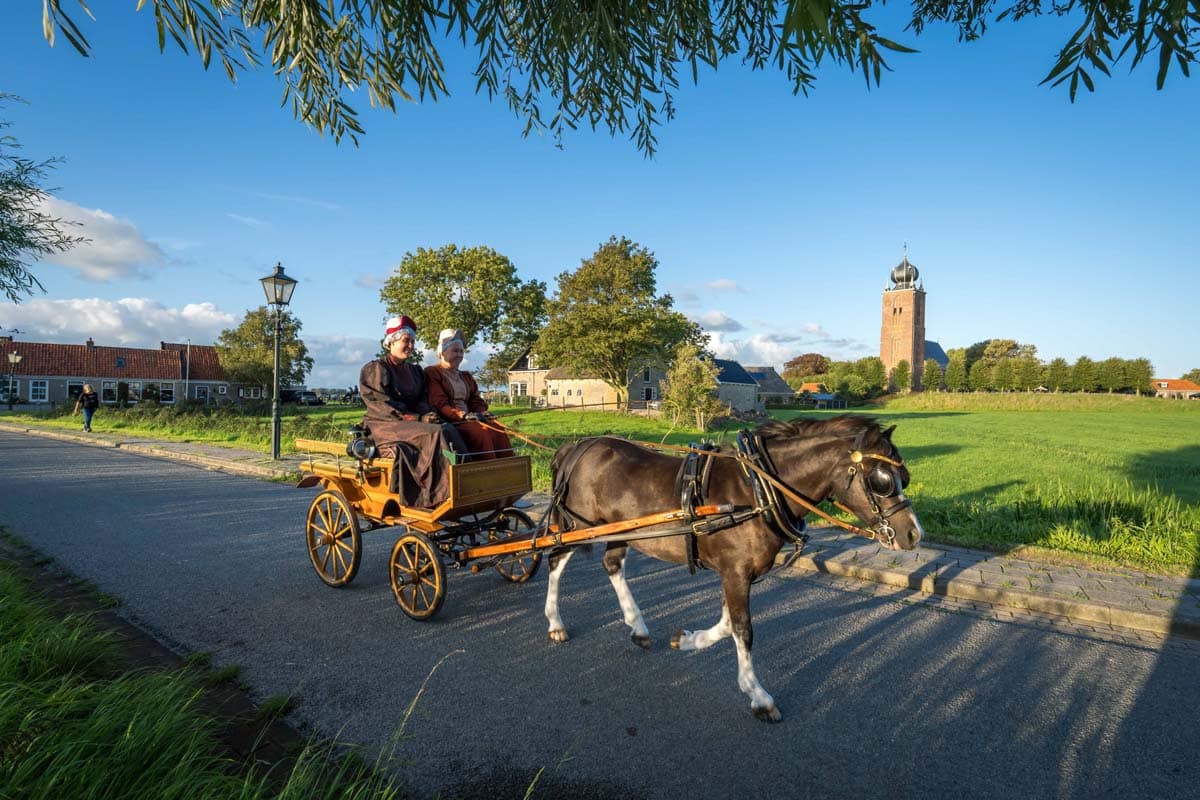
557	386
1175	389
771	387
52	374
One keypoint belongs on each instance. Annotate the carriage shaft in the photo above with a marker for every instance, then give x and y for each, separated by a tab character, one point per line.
569	537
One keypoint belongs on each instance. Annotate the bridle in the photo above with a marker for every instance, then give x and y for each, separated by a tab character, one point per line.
879	486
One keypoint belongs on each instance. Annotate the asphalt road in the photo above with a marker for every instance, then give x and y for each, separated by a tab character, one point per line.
880	698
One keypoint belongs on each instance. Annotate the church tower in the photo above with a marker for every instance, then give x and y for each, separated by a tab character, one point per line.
902	336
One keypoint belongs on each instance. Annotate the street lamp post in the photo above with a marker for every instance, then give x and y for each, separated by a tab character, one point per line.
14	358
278	288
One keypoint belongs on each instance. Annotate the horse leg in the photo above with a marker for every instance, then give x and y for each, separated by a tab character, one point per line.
557	562
698	640
614	565
736	590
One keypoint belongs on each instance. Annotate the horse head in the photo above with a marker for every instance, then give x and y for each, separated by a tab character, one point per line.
851	460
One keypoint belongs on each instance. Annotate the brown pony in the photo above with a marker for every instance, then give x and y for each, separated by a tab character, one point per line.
848	458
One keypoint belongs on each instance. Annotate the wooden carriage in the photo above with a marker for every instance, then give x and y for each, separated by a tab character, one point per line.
356	497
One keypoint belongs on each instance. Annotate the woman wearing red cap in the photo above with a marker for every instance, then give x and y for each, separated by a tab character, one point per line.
400	419
454	395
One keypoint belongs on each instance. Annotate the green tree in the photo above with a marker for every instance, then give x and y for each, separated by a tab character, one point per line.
979	376
1083	375
931	377
473	289
956	371
1004	376
873	373
1030	373
605	318
902	376
1139	375
247	352
1192	375
614	65
27	234
805	365
1110	374
1058	375
689	391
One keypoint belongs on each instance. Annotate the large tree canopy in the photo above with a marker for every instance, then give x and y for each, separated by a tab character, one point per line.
475	290
606	320
616	64
247	352
27	234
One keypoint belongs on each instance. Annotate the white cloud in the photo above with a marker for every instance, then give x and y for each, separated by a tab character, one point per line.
116	248
367	281
716	321
724	285
249	222
776	349
338	359
129	322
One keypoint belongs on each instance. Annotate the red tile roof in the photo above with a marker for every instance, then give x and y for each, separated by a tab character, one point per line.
1175	385
46	359
204	364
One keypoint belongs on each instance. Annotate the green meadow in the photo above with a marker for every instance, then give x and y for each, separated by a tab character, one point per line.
1110	480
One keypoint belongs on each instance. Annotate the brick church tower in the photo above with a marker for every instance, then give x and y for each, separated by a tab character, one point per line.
902	336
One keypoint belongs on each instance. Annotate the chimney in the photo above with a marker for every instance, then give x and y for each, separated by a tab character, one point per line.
90	344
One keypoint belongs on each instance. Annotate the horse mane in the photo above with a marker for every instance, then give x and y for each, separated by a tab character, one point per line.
847	426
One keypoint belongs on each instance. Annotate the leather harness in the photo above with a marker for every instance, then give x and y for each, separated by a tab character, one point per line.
691	484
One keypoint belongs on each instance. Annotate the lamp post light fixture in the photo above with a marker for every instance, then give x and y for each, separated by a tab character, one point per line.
278	288
14	358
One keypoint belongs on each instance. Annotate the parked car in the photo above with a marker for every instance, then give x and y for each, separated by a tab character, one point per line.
309	399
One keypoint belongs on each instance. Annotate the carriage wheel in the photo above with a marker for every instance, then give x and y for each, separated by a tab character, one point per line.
518	567
417	575
334	543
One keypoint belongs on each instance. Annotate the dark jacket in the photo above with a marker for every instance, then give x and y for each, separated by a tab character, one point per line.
392	390
89	400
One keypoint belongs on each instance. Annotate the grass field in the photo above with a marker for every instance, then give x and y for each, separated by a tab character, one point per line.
1110	479
76	722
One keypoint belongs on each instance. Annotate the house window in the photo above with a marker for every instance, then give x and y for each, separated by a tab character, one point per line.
648	393
646	376
554	392
108	392
166	393
202	393
532	361
135	392
256	393
12	387
568	392
222	389
74	389
518	389
39	391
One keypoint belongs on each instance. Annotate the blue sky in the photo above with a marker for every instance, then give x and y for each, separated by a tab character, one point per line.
775	219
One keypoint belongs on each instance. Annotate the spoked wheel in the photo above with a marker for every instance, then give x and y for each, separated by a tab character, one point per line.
334	543
418	577
518	567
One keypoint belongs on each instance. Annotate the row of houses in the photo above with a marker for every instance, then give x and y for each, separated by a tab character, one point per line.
744	389
45	373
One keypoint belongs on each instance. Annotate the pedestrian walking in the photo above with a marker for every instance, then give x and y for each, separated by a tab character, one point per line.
89	402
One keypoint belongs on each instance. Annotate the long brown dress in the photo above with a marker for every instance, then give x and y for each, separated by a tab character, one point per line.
394	393
454	393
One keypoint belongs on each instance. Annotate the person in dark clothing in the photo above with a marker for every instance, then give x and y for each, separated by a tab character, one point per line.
400	420
89	401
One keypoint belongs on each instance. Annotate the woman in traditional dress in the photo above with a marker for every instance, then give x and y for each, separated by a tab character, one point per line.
454	395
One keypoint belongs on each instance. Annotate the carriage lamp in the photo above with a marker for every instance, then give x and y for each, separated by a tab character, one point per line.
278	288
14	358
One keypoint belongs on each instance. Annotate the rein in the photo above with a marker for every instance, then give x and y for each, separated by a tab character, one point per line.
856	456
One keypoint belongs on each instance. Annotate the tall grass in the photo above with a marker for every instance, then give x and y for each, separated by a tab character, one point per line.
74	725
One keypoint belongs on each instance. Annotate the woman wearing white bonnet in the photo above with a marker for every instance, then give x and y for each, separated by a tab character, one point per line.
454	394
